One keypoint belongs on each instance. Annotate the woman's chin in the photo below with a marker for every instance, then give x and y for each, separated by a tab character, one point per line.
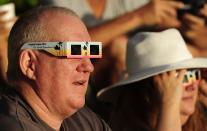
185	114
188	111
187	108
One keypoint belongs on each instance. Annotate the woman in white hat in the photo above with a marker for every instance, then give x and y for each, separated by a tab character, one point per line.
160	92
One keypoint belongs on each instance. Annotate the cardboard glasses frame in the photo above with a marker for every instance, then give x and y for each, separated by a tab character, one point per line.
68	49
192	75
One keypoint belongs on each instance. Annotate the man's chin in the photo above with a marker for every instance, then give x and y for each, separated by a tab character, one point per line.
73	108
79	103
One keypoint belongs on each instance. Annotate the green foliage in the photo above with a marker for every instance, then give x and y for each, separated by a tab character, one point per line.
21	5
24	5
2	2
32	2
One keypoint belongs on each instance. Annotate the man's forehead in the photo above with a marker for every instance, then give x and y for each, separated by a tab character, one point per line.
51	16
65	27
57	13
70	37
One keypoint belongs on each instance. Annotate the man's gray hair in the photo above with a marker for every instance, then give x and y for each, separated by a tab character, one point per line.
28	28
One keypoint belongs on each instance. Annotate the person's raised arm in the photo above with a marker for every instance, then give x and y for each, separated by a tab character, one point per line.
156	12
5	27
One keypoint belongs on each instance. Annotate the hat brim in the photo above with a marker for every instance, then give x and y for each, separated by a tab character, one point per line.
108	94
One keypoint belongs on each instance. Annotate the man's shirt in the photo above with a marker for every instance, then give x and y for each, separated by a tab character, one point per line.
17	115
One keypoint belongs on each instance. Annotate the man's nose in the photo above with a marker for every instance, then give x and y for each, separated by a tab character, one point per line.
85	66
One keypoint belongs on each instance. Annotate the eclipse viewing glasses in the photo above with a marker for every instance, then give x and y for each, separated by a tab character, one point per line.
68	49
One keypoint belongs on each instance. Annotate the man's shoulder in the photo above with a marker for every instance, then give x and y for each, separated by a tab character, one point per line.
16	115
87	114
86	119
9	123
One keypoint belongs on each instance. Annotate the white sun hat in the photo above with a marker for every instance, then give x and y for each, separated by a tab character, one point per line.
152	53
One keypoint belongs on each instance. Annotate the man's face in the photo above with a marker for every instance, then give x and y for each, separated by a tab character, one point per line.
62	82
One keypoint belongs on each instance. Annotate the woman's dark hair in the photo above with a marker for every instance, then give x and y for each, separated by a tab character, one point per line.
137	108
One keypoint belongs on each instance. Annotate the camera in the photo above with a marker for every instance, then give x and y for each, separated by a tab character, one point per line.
192	7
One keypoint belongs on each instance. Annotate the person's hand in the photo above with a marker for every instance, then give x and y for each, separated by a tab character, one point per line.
203	88
195	30
161	13
203	93
170	87
203	11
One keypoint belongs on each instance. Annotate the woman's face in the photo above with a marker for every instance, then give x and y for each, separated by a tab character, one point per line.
189	96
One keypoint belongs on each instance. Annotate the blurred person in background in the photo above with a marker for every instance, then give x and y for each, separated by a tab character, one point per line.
20	6
5	27
6	23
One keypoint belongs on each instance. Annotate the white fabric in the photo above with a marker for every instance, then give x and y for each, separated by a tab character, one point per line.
113	9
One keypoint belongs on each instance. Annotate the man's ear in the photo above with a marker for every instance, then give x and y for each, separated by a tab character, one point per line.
27	63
